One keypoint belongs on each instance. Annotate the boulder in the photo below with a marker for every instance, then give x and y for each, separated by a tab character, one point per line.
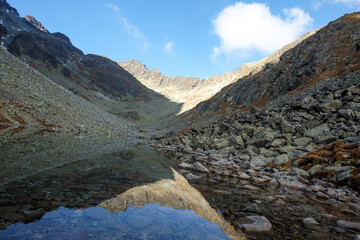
347	113
317	131
262	138
260	224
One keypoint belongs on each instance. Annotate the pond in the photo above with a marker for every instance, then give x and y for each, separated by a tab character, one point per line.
52	187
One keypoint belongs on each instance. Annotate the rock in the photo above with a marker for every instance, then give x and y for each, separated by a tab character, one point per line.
260	180
200	168
348	224
222	192
254	208
309	221
221	144
344	176
335	104
277	143
322	195
317	131
314	169
260	224
238	140
302	142
347	113
251	188
292	184
191	177
262	138
187	166
357	115
298	171
287	149
281	159
286	127
267	152
244	176
357	237
315	188
260	161
274	183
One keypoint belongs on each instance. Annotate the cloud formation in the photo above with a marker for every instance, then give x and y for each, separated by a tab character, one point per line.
169	47
130	28
251	27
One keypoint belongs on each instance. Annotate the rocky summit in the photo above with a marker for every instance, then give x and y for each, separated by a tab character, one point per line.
268	151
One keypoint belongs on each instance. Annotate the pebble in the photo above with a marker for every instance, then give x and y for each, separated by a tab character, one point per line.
191	176
310	221
322	195
260	224
251	188
348	224
244	176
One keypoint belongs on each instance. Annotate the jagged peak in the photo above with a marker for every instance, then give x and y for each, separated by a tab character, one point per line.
35	23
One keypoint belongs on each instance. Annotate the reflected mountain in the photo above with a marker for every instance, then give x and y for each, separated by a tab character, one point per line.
177	194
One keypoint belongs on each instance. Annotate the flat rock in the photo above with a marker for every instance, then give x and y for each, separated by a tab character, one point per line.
191	176
200	168
251	188
348	224
260	224
309	221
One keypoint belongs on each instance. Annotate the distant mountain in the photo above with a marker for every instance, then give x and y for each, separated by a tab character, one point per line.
191	91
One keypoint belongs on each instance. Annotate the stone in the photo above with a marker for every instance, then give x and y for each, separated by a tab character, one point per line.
322	195
278	142
262	138
244	176
357	115
315	188
200	168
309	221
302	142
238	140
191	177
286	127
260	224
260	161
251	188
335	104
317	131
348	224
260	180
267	152
281	159
187	166
274	183
314	169
344	176
347	113
221	144
357	237
299	172
292	184
287	149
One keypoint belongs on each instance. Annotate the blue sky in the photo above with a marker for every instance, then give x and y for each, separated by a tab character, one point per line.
193	38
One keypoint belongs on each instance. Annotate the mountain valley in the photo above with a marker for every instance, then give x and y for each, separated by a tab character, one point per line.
273	147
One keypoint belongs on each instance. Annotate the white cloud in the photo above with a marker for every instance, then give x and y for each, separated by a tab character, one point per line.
169	47
113	7
130	28
252	27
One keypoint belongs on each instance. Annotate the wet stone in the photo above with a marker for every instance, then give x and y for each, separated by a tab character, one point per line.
260	224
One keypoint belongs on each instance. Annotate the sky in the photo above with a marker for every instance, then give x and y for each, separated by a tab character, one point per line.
191	38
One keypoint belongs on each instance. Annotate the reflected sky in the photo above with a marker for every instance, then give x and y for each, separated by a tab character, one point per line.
152	221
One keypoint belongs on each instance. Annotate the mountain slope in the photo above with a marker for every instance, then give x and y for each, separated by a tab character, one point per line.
96	79
192	91
332	52
31	104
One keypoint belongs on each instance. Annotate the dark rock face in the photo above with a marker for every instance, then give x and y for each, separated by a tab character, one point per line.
35	23
49	49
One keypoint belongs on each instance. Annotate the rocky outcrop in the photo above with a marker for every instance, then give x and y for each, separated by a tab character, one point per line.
35	23
178	194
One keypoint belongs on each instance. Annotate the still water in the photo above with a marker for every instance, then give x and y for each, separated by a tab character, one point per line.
149	222
51	188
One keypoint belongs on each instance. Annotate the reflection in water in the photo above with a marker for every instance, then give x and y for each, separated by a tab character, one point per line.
149	222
